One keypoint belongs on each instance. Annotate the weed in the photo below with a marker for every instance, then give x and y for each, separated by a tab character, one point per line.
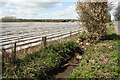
41	64
102	58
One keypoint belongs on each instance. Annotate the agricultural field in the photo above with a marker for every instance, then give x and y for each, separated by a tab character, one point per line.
32	32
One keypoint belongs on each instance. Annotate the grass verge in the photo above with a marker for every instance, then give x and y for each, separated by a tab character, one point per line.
101	60
41	64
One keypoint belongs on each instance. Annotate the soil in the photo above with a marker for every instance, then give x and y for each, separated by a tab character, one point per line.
67	69
72	64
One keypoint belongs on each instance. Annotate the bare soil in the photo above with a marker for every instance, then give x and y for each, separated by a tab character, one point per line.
73	63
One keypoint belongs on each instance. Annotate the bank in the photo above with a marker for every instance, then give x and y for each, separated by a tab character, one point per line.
101	59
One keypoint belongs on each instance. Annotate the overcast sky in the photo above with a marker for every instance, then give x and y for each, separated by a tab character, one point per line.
40	9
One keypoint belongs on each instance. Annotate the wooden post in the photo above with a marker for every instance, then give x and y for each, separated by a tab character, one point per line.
61	38
14	52
78	32
44	41
70	33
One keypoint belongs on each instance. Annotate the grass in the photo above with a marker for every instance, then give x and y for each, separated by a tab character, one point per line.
101	60
41	64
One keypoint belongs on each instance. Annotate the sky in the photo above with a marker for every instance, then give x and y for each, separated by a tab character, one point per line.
41	9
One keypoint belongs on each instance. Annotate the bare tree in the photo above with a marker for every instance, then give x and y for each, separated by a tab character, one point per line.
93	17
117	12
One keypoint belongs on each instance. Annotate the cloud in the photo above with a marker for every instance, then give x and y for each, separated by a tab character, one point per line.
68	13
31	9
22	5
39	0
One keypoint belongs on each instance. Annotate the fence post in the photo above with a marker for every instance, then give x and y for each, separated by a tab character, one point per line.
78	32
44	41
61	37
70	33
14	52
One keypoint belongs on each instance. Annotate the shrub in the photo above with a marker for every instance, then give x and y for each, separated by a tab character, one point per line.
93	17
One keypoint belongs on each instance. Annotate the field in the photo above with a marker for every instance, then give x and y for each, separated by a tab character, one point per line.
99	60
31	33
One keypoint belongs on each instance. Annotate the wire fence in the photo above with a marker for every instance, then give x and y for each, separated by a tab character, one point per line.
34	44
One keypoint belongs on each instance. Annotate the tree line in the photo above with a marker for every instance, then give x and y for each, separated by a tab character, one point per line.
14	19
